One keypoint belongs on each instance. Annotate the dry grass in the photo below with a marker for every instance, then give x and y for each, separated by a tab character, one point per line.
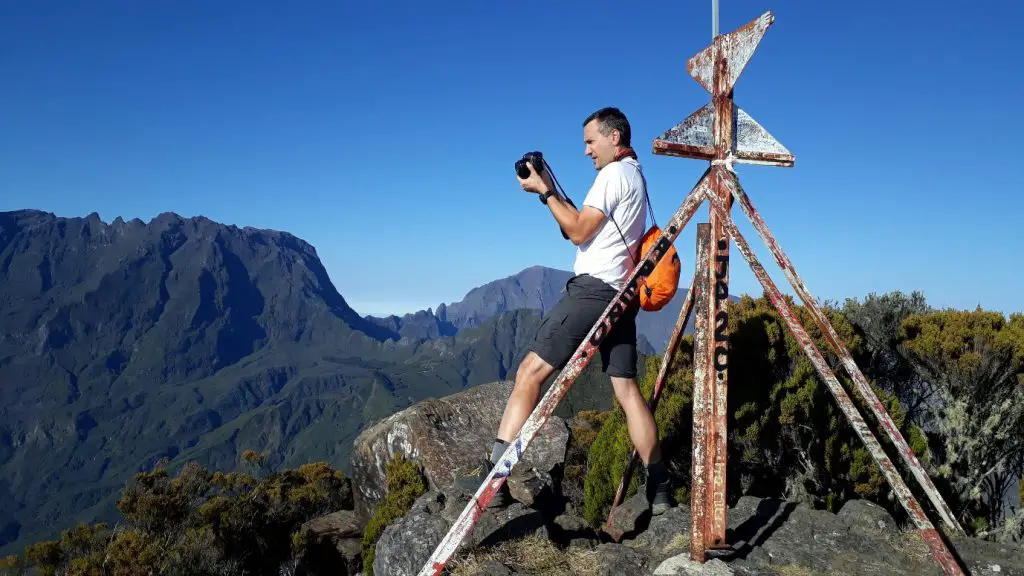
678	544
910	542
532	555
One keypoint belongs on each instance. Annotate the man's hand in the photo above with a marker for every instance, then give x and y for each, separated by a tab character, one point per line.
536	183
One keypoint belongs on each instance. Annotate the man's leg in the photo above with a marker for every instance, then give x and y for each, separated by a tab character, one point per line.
640	423
619	359
532	373
551	349
643	433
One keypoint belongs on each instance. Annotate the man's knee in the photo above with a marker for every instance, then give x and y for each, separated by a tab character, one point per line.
532	370
627	390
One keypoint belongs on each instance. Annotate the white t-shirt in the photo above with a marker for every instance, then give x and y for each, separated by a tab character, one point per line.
617	191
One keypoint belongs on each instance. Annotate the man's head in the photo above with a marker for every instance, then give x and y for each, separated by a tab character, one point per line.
605	133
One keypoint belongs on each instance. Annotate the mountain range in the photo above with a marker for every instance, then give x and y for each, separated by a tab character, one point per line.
129	343
535	288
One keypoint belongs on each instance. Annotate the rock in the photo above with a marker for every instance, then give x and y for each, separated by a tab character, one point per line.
448	437
619	560
335	540
531	486
983	557
569	529
867	516
667	535
340	524
408	542
628	518
681	565
514	521
772	536
351	551
768	537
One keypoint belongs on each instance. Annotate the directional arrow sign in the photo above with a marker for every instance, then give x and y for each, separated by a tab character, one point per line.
693	138
735	48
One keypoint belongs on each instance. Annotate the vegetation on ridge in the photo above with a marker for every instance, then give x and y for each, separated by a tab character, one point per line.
952	381
198	522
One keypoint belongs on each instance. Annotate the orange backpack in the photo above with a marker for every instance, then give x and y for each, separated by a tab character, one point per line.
658	288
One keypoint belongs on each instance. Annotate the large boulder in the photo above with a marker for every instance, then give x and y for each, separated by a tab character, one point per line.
334	544
449	437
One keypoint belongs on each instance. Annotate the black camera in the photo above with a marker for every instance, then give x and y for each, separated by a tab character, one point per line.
535	158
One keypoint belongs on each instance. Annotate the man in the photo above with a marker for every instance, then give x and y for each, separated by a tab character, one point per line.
607	232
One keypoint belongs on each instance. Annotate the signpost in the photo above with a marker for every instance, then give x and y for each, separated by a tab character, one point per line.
723	134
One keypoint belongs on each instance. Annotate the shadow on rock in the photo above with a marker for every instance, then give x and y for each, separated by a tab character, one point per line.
768	516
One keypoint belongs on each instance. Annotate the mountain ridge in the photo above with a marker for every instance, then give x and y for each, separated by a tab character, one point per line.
128	343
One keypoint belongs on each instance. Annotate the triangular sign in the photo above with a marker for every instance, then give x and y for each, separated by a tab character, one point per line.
737	48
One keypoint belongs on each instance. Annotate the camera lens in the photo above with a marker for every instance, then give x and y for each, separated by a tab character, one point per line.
522	169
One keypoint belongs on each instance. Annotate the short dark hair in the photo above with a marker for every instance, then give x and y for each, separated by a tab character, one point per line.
610	118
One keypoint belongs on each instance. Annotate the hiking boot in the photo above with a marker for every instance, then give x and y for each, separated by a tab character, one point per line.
661	500
471	481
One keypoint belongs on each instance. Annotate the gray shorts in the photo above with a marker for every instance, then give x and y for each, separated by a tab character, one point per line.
568	323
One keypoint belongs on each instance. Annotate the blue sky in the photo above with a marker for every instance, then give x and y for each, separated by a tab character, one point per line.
385	133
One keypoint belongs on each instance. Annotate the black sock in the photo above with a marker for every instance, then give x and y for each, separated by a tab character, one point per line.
499	448
656	472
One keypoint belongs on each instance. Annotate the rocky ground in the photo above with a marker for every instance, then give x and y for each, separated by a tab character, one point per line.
542	533
766	537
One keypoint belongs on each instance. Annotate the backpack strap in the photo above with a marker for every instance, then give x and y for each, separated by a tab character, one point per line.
630	153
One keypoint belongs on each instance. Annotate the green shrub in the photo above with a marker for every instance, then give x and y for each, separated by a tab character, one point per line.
405	483
198	522
787	436
583	429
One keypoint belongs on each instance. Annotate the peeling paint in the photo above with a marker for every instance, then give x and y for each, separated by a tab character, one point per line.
755	145
736	47
699	513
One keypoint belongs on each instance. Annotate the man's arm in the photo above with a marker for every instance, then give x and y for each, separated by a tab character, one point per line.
579	226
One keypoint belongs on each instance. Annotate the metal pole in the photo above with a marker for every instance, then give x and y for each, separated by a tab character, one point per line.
718	317
714	19
928	532
870	398
703	406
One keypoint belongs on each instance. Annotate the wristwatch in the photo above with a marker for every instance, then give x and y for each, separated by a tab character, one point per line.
545	195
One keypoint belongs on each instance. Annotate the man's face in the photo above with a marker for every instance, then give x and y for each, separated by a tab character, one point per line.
599	147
